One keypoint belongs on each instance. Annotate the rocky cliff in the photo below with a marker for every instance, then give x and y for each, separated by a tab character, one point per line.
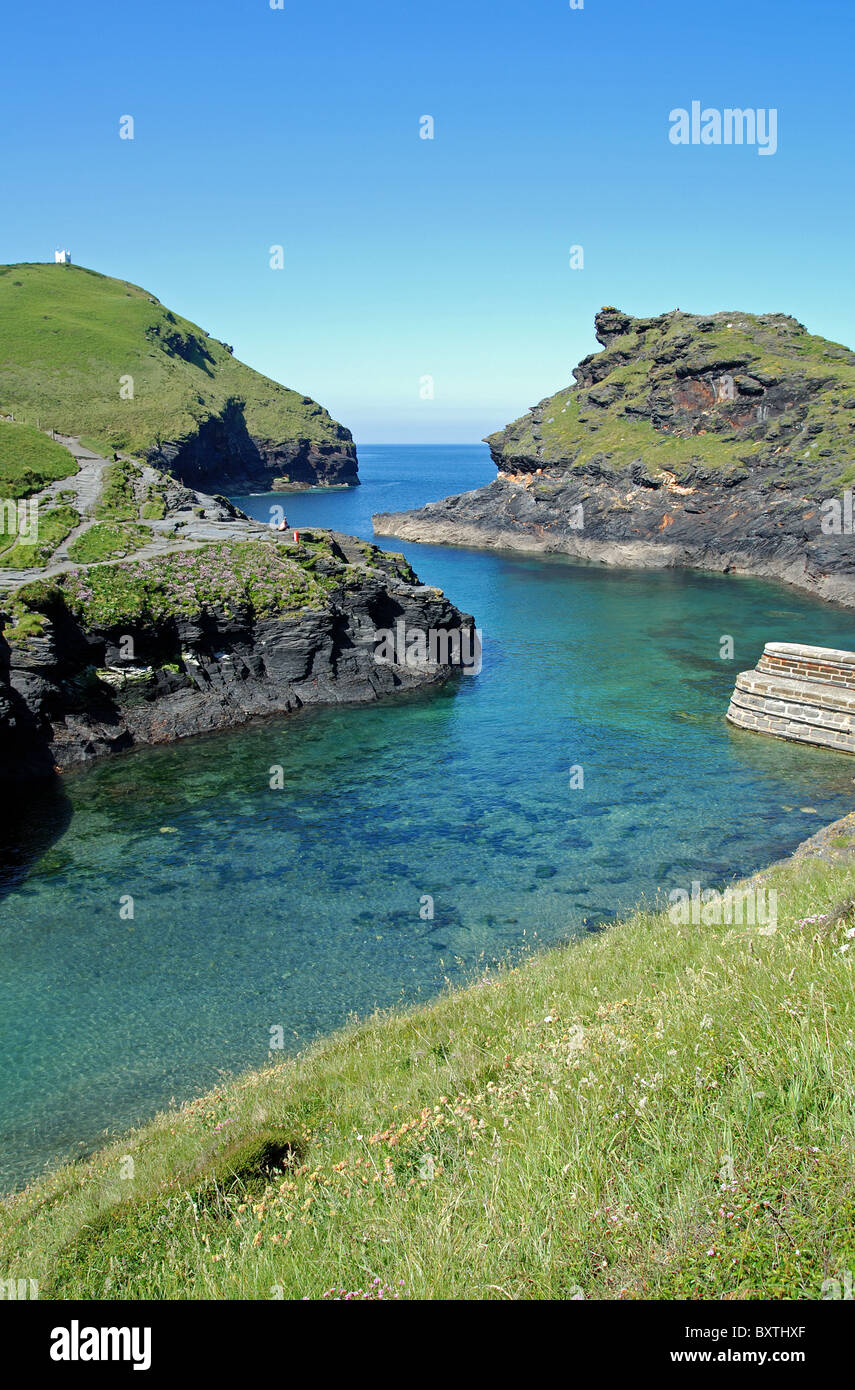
724	442
146	611
221	454
152	651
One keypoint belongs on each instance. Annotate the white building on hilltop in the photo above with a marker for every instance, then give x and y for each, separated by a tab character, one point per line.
62	257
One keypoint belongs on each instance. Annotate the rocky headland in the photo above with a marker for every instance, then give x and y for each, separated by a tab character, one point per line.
722	442
146	611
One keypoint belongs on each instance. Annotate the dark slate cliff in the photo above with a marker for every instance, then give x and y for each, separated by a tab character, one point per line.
222	456
725	443
96	661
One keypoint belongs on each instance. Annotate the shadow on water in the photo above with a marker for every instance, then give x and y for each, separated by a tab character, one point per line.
33	817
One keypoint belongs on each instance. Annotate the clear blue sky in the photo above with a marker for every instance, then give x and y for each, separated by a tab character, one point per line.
406	257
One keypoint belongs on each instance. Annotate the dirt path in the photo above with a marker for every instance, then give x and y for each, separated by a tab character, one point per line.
87	485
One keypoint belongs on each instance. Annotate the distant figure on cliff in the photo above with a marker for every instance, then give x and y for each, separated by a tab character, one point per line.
283	525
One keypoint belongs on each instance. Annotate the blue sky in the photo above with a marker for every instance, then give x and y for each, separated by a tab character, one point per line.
407	257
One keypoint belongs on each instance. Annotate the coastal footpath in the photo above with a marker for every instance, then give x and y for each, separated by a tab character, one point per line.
661	1110
139	611
723	443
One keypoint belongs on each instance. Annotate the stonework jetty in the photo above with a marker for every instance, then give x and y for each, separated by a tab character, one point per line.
806	694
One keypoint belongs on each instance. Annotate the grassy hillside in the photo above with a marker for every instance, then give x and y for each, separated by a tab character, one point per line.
68	335
29	460
680	392
659	1111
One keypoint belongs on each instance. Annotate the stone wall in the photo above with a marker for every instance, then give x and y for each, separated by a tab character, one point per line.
806	694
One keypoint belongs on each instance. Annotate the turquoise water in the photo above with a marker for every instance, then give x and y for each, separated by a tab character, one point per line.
256	908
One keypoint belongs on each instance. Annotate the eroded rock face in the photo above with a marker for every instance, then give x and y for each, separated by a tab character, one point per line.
715	442
69	693
745	530
688	393
222	456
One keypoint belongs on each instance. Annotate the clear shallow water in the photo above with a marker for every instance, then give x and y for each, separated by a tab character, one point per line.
297	907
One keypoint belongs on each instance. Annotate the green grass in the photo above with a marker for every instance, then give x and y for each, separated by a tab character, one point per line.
23	625
259	577
54	525
29	460
623	441
254	579
118	499
69	335
107	539
658	1111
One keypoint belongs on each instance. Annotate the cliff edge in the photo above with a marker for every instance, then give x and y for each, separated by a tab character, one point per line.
723	442
134	610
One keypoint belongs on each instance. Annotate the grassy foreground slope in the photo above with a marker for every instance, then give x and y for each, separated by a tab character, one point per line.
658	1112
68	336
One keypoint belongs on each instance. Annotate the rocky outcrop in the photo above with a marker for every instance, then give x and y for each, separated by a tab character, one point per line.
689	395
146	653
724	443
805	694
222	456
756	530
